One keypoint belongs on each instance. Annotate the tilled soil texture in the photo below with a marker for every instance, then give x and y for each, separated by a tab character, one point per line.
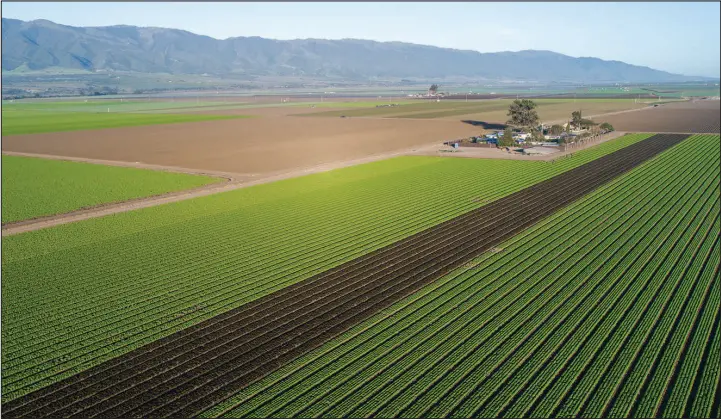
186	373
252	146
703	116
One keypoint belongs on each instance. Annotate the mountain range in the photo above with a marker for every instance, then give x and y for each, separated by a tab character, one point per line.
41	44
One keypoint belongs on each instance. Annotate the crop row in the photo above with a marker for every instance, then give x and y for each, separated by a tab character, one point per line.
680	186
137	287
166	382
412	318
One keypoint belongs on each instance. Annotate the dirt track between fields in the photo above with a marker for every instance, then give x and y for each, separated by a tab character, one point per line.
190	371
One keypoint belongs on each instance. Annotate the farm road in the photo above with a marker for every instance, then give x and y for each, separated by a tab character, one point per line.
190	371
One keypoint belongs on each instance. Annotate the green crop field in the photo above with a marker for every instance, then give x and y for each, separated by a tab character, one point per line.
38	121
33	187
122	281
607	308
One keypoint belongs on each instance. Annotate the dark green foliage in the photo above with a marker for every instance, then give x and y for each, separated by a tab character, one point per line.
523	114
556	130
606	127
576	119
506	139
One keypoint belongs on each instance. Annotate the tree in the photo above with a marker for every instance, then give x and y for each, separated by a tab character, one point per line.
606	127
587	123
433	89
576	119
523	114
506	139
537	136
556	130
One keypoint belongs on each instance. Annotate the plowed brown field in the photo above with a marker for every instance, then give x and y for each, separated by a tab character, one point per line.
696	117
261	145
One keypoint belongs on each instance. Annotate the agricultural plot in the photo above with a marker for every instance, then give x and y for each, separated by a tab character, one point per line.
407	109
32	118
33	187
488	110
118	105
176	376
608	308
252	146
356	104
697	117
124	281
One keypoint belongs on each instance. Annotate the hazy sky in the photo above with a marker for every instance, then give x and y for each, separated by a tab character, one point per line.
676	37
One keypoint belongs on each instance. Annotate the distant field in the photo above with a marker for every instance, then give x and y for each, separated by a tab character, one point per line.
493	110
702	116
122	281
118	105
25	121
607	308
34	187
354	104
415	107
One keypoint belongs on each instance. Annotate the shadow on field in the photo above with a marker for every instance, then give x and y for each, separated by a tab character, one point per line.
485	125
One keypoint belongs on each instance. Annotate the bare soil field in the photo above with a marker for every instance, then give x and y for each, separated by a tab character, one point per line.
253	146
557	112
694	117
491	111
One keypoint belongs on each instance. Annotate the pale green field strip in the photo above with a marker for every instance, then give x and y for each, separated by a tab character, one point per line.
118	106
417	107
608	308
358	104
33	187
432	109
544	106
121	281
188	105
34	122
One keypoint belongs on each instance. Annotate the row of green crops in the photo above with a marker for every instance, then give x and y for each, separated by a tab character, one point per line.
34	122
81	293
34	187
608	308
